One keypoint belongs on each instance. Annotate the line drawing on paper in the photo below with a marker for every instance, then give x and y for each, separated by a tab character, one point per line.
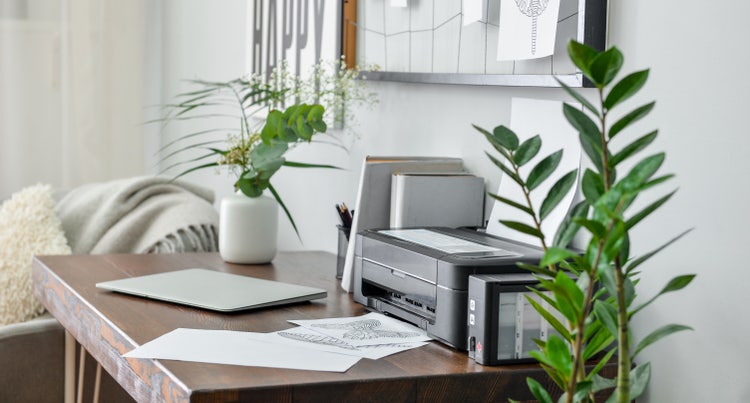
367	329
317	339
533	9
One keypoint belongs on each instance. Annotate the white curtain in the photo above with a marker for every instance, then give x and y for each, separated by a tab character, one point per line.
71	91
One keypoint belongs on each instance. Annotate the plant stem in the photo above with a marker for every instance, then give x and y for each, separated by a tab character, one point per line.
623	341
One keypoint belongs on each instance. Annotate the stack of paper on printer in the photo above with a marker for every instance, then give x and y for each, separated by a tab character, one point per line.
333	344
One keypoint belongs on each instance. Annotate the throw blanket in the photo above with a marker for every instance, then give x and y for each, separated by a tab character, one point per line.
139	215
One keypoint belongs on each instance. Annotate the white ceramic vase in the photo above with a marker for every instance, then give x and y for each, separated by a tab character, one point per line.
247	229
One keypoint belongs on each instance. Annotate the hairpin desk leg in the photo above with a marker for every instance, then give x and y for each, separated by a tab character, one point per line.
70	367
97	382
81	372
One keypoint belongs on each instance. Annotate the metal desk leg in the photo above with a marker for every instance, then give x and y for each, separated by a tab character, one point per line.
70	367
81	373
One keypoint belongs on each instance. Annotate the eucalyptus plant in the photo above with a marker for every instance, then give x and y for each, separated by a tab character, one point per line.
274	112
591	293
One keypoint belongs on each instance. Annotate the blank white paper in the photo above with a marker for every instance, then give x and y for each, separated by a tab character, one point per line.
238	348
473	11
398	3
528	118
527	29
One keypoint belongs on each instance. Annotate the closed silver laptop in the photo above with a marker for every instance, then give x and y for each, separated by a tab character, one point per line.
214	290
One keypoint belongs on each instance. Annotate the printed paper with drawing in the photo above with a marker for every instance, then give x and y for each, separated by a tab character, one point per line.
370	329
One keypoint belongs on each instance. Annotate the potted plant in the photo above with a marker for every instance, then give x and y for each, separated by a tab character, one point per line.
274	113
591	293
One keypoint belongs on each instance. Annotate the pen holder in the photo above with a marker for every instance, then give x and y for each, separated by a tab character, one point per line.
343	245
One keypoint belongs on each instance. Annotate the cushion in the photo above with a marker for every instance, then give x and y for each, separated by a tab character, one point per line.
28	227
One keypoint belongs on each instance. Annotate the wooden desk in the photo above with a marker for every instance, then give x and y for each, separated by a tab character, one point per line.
108	325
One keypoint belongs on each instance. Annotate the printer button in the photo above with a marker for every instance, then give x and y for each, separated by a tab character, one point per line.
472	304
471	319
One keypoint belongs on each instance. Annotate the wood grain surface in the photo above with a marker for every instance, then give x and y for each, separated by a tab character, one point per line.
109	324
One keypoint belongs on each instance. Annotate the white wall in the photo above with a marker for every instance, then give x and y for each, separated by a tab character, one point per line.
698	56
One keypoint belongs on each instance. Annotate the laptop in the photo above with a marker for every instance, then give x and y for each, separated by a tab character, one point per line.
213	290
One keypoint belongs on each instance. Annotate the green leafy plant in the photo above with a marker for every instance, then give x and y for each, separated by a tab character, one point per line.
266	127
591	293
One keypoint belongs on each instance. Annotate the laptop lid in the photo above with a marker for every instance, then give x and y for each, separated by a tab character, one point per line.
213	290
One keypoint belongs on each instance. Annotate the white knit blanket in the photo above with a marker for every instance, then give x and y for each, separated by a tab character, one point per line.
139	215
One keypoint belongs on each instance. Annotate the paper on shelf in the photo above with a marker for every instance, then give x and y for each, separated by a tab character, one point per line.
527	29
528	118
473	11
238	348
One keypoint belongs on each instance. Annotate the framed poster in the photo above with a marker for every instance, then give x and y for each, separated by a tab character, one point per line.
476	42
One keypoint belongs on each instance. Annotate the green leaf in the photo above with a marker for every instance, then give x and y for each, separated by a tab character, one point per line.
626	88
559	354
568	297
527	150
637	262
251	186
557	192
594	227
286	210
272	128
550	318
639	378
607	314
594	153
605	66
316	113
630	118
505	169
602	383
193	169
568	229
512	203
657	335
505	137
319	126
554	255
305	165
582	56
641	172
583	123
597	343
543	170
303	129
538	391
632	148
578	97
592	186
675	284
537	269
638	217
495	144
523	228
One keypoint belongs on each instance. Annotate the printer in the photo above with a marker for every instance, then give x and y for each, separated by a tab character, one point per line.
421	275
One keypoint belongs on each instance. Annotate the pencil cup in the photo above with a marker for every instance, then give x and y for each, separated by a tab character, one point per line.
343	245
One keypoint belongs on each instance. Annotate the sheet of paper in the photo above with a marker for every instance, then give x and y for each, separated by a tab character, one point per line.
370	329
527	29
398	3
473	11
302	337
238	348
528	118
